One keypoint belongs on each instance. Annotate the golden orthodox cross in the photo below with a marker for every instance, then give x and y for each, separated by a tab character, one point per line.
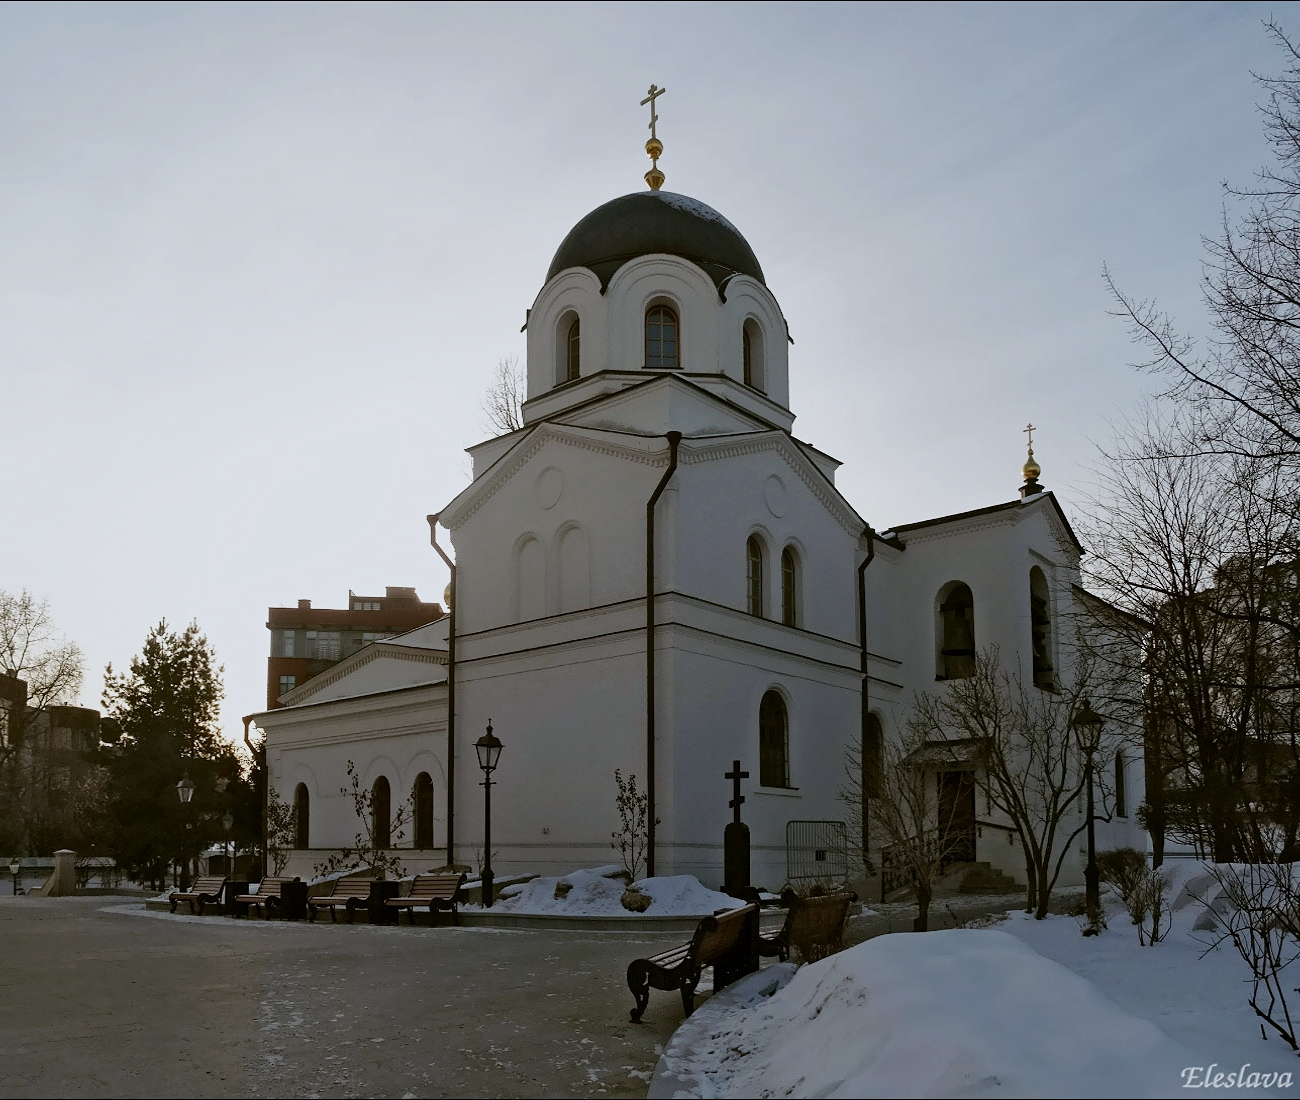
655	93
1030	429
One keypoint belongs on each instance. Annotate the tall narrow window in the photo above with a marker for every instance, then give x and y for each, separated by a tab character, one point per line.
754	575
422	798
661	351
957	634
789	583
1121	795
751	339
571	353
1040	630
301	817
773	742
286	643
381	808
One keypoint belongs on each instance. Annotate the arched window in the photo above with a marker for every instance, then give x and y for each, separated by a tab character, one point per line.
773	742
661	339
1121	795
957	634
751	340
754	575
301	817
571	352
422	799
789	585
1040	630
381	813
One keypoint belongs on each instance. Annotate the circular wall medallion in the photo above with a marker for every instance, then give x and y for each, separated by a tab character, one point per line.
550	484
774	495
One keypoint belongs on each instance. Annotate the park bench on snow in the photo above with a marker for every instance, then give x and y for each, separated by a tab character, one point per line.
267	897
203	891
724	941
433	892
813	925
350	892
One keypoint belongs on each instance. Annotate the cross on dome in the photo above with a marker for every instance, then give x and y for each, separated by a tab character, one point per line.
654	147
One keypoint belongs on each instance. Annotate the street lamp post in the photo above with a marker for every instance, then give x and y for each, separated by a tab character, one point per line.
227	823
185	792
1089	723
15	865
488	748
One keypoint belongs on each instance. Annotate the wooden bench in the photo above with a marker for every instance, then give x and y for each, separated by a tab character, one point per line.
432	891
351	892
722	941
814	926
267	897
203	891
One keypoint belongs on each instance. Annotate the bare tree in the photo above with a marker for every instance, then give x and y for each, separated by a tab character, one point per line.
380	831
33	651
1197	551
904	811
503	403
1246	379
1030	763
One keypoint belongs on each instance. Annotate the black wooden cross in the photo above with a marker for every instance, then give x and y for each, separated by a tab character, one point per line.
736	775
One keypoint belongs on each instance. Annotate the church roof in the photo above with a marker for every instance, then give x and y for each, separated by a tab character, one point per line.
1010	506
647	222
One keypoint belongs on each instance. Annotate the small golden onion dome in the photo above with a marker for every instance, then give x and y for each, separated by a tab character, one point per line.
446	596
1031	469
654	148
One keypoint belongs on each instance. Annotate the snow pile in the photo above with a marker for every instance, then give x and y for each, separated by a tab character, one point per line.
598	892
954	1013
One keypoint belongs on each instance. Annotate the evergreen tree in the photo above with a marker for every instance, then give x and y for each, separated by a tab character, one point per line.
167	709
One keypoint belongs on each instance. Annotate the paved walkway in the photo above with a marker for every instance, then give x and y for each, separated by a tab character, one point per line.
99	999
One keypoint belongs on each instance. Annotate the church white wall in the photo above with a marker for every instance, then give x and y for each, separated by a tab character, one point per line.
719	500
397	734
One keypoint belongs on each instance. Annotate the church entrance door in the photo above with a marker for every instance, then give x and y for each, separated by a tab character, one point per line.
957	816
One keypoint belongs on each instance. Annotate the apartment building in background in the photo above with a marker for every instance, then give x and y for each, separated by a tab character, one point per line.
307	640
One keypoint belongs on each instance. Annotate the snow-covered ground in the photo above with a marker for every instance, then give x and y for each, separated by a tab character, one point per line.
597	892
1027	1008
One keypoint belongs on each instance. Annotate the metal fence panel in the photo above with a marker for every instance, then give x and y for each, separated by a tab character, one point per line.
817	853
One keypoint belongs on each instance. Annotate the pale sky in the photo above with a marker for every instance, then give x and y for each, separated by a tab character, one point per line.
257	262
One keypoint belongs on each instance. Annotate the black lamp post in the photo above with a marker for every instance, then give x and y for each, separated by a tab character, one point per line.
185	791
227	823
488	748
15	865
1089	723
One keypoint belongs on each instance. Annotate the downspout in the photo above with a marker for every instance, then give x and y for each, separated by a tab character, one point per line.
266	784
865	693
674	438
451	692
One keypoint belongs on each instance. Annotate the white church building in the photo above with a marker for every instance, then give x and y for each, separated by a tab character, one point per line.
655	575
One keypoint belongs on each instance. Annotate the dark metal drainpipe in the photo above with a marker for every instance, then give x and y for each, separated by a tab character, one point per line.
266	785
866	694
674	438
451	693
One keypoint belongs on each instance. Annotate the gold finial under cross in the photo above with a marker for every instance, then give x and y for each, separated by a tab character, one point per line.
654	147
1031	470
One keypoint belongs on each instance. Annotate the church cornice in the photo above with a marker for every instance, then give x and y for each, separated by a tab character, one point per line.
375	650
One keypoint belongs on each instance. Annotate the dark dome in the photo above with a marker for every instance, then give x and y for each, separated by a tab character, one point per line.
656	221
